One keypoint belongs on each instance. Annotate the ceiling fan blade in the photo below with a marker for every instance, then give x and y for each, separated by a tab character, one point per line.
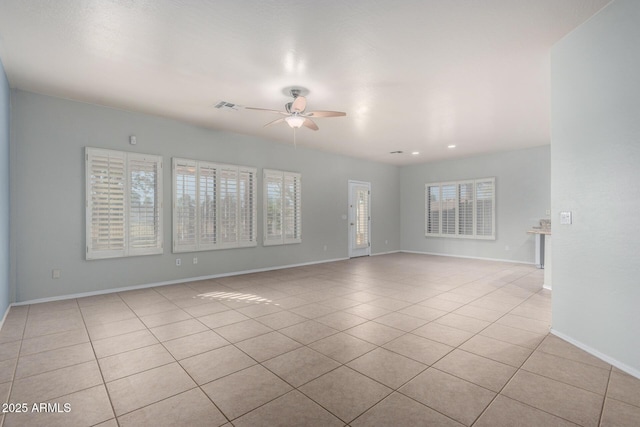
276	121
267	110
325	114
310	124
299	104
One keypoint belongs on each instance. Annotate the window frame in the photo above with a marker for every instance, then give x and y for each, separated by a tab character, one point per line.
439	205
220	171
283	178
127	249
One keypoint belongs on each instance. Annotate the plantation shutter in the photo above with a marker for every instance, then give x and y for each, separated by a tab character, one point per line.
292	208
207	206
485	208
105	223
123	203
248	212
273	203
228	206
184	205
432	209
465	208
145	205
449	208
362	216
223	212
282	207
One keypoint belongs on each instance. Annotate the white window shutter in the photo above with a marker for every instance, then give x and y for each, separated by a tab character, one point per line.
228	200
224	207
123	203
282	207
145	204
449	209
432	209
105	206
207	206
248	222
465	208
185	194
292	209
462	209
485	208
362	213
273	203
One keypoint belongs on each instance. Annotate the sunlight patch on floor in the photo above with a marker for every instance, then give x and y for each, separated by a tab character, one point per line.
236	296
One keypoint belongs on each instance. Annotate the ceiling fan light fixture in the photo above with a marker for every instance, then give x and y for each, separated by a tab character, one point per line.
295	112
295	121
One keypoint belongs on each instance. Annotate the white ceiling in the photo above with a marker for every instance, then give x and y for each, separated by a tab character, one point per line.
412	75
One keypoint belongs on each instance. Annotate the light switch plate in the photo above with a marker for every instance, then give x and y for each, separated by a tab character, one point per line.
565	218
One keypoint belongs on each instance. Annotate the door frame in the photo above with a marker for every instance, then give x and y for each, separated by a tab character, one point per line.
353	252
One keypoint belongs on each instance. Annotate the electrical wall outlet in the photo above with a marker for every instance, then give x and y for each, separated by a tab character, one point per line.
195	260
55	273
565	218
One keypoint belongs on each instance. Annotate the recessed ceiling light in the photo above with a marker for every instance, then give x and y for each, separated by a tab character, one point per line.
451	146
415	153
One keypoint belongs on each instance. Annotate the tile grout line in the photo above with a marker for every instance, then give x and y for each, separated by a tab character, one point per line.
431	366
499	393
373	379
604	399
404	288
15	369
197	386
104	383
462	343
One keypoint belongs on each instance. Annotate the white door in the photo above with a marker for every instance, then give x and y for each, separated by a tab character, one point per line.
359	219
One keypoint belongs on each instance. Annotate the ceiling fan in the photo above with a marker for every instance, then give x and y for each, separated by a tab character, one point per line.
295	113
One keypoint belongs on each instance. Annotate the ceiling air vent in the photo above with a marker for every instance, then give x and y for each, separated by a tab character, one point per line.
396	152
227	106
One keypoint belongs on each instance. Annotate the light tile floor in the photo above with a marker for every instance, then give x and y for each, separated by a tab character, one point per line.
398	340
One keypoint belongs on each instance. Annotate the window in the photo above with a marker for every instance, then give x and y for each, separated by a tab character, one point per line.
461	209
213	206
282	207
123	204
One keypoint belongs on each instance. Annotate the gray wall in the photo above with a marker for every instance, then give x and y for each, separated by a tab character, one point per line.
595	153
522	199
47	185
4	192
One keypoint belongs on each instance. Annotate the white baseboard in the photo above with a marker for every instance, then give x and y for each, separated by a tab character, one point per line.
171	282
610	360
386	253
468	257
6	313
